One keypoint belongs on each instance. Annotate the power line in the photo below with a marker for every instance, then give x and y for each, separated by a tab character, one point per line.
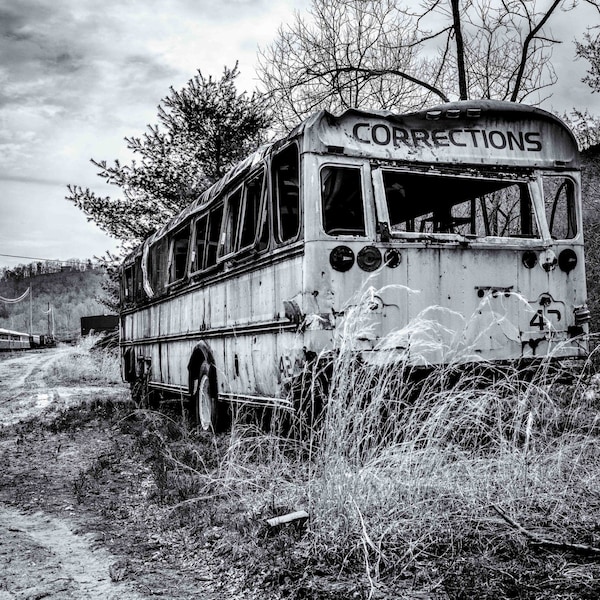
54	260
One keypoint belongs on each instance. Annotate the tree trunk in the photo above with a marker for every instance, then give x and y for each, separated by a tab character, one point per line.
460	51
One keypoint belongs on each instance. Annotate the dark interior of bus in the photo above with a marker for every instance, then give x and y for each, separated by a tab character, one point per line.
425	204
433	204
477	207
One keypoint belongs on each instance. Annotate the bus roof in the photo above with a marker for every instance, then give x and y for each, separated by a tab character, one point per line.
474	132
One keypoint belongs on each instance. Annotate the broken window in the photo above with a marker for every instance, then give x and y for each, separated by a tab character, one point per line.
179	253
252	205
207	230
212	240
286	194
200	244
127	285
230	226
478	207
157	265
559	200
342	201
140	293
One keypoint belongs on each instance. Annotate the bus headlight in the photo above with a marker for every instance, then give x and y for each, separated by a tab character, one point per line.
369	258
567	260
341	258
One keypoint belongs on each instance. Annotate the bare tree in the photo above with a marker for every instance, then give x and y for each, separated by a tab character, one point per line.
348	53
378	54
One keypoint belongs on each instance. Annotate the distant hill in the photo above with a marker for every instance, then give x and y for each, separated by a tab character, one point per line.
70	290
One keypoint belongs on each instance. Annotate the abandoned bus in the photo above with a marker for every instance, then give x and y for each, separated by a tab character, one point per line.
468	212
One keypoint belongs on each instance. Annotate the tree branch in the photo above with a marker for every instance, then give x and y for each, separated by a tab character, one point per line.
530	37
542	542
379	73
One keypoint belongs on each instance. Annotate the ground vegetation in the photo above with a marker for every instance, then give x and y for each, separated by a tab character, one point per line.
476	486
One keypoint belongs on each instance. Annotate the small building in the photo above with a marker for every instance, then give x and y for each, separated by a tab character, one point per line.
99	324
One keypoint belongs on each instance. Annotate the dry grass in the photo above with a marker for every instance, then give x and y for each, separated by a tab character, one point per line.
405	470
82	363
400	478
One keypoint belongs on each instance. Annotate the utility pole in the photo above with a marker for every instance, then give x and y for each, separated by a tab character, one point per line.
30	309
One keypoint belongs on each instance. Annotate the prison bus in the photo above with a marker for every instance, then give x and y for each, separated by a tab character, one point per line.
467	214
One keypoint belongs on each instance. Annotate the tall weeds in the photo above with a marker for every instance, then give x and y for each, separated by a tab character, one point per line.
408	462
83	363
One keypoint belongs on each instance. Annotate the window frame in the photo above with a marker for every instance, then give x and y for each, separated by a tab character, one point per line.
152	280
223	255
360	167
171	264
274	196
383	216
206	212
572	203
259	174
128	284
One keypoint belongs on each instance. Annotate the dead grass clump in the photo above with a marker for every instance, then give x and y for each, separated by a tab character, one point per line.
400	477
92	410
185	465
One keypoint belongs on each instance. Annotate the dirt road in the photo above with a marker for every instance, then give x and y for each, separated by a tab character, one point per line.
83	493
25	390
44	556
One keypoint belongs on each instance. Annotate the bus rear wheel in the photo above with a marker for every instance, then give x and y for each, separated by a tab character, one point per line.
205	409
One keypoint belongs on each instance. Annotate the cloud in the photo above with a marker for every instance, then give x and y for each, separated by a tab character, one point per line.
77	76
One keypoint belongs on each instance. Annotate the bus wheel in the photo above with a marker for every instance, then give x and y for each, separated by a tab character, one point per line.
204	401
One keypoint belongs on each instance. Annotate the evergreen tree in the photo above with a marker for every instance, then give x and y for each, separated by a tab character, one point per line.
202	131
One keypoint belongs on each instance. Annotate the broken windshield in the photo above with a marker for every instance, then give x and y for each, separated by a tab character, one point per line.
476	207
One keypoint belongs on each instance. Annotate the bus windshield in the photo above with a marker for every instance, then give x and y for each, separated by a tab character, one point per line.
478	207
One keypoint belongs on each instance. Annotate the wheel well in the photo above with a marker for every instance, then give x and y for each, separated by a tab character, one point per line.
129	365
201	353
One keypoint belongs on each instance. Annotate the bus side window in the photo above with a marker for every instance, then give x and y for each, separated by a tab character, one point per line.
157	265
286	194
128	285
342	202
214	231
559	200
201	227
264	229
140	293
179	253
231	224
250	218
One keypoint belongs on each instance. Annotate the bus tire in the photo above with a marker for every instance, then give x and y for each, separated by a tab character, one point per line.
205	409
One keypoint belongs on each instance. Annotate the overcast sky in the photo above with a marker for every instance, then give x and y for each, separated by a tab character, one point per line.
77	76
